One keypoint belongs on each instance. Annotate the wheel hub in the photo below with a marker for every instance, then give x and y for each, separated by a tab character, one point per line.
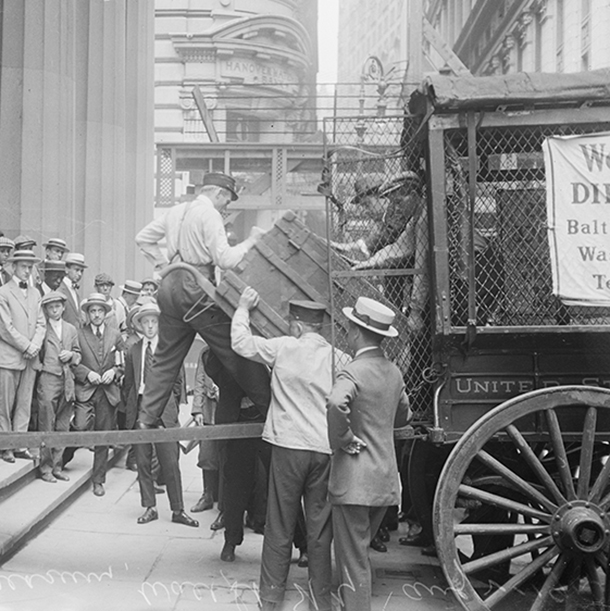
580	526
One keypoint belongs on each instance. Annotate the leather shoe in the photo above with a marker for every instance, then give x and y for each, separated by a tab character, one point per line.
417	540
303	560
179	517
203	504
228	553
47	477
218	523
148	516
8	456
159	490
98	490
378	546
59	475
24	454
383	534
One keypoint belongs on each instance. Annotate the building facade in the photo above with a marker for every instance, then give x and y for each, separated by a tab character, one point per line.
500	37
76	126
254	63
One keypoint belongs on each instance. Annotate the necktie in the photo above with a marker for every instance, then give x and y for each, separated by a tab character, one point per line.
98	333
23	285
75	286
148	359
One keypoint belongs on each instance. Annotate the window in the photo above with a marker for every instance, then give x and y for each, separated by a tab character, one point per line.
242	128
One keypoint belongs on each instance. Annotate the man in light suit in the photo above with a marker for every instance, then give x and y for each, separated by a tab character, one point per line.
75	265
138	360
55	386
97	391
367	401
22	329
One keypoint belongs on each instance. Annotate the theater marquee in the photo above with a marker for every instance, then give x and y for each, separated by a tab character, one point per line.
578	208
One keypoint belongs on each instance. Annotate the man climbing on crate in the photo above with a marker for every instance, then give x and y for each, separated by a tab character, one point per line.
367	401
195	234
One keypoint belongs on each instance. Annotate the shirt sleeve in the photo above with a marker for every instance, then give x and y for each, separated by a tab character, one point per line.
251	346
338	410
403	414
215	239
148	241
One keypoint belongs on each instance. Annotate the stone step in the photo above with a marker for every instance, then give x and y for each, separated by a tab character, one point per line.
28	505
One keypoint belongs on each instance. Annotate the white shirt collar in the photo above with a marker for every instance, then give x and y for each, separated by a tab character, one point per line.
363	350
94	328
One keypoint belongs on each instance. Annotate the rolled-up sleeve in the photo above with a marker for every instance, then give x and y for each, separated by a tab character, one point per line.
251	346
148	241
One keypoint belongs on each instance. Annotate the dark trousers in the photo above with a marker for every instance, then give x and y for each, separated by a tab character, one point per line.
99	415
168	455
296	474
238	473
178	299
54	414
353	528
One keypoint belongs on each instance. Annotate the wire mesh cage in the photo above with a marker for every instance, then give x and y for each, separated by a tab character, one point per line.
377	221
508	228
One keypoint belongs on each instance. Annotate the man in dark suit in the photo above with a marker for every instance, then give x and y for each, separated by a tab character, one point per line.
367	401
75	265
22	329
53	273
97	391
138	361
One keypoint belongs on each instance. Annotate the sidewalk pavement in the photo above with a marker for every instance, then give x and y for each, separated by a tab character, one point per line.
95	557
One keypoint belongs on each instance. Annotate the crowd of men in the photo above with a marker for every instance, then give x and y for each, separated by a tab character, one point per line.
329	418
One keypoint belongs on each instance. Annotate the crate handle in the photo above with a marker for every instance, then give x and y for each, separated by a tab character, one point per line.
294	244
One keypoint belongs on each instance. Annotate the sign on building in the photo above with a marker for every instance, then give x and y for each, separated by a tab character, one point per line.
578	208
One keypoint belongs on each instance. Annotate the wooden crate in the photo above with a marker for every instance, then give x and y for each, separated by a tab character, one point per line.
291	262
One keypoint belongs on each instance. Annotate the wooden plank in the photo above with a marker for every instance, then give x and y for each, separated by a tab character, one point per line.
444	50
239	430
205	115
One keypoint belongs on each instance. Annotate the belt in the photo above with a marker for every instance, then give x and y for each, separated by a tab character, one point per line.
207	269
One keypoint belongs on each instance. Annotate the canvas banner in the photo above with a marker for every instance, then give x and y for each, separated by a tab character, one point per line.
578	208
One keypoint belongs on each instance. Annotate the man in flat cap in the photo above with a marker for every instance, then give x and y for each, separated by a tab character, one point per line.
6	248
195	234
55	385
70	285
302	375
22	329
116	316
367	401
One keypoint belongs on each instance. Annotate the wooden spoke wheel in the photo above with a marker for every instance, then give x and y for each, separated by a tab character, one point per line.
522	506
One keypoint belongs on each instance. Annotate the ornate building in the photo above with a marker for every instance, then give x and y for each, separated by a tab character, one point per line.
502	36
253	60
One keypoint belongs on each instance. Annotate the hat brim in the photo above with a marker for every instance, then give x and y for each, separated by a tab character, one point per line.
33	260
87	304
77	264
390	332
126	289
64	248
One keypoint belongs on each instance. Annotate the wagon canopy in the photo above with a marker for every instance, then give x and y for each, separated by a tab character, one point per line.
454	93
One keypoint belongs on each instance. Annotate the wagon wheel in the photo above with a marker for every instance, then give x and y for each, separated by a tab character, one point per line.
553	504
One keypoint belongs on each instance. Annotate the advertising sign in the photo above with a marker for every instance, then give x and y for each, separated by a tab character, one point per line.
578	208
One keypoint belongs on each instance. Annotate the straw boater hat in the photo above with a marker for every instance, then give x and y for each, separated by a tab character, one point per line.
145	310
398	182
150	281
56	243
54	266
372	315
24	242
6	242
24	255
75	258
52	297
95	299
310	312
131	286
